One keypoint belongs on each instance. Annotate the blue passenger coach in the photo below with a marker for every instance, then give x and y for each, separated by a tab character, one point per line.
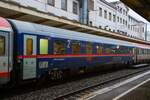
43	50
32	51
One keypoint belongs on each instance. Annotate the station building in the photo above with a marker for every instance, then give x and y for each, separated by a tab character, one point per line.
102	15
68	9
121	17
113	17
136	28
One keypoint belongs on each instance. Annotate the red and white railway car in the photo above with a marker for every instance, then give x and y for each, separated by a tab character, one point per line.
6	56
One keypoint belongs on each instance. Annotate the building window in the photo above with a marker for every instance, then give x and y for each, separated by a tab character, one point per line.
107	50
43	46
2	46
121	10
128	26
126	23
123	21
75	48
51	2
89	48
100	11
64	5
105	14
29	46
143	29
118	19
114	18
75	7
124	12
90	23
59	47
110	16
118	8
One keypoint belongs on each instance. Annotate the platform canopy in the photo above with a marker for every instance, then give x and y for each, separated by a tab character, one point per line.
142	7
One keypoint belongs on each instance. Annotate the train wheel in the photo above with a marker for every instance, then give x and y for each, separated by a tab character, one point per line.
56	74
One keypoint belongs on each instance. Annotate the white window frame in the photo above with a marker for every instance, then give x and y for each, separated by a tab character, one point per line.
52	3
64	7
77	9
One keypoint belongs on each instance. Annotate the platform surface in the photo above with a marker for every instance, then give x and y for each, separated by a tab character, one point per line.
135	88
140	93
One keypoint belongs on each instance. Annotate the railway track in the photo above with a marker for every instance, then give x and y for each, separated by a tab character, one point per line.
77	94
74	89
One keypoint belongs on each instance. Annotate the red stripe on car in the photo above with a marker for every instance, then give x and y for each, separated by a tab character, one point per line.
71	55
4	74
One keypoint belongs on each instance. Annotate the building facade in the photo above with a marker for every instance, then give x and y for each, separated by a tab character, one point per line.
102	14
121	17
136	29
115	17
148	36
112	16
68	9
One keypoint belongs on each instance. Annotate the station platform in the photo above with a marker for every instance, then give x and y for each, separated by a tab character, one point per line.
140	93
135	88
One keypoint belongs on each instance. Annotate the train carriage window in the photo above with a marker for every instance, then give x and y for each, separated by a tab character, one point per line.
29	46
125	50
99	49
43	46
139	51
142	51
59	47
2	45
89	48
148	51
76	48
107	50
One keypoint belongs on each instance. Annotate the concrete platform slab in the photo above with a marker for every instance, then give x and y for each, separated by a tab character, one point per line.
119	90
140	93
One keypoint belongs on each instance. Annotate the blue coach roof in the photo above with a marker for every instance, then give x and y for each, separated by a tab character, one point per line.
26	27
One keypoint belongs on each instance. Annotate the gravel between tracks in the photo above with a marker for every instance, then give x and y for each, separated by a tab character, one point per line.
57	90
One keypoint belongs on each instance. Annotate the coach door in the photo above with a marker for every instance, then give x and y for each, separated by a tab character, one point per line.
29	61
135	54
